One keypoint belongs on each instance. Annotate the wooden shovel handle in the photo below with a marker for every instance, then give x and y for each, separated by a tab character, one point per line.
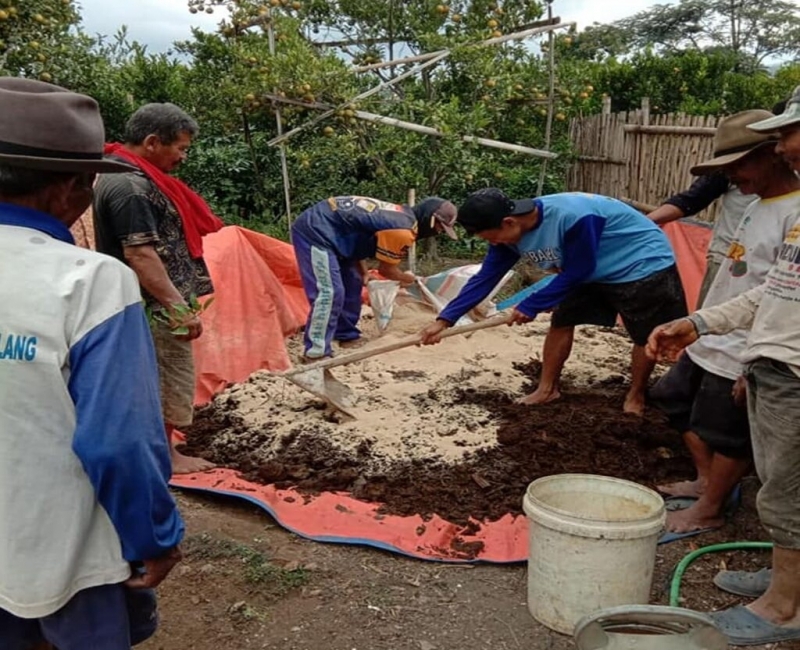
498	319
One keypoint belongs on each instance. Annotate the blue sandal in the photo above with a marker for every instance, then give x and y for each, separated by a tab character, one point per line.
743	627
750	584
681	503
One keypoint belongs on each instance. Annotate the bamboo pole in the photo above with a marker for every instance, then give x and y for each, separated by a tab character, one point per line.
514	36
364	95
670	130
548	129
412	253
419	128
287	195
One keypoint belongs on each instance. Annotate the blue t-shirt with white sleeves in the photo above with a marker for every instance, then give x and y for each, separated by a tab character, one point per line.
584	238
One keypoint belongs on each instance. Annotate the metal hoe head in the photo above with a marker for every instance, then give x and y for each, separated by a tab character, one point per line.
322	383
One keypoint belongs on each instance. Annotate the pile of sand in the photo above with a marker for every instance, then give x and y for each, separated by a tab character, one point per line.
406	403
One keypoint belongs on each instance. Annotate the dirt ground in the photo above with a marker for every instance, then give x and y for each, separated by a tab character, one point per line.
438	432
246	584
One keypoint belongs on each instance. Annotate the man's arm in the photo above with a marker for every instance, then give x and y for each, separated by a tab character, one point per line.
363	271
394	272
735	314
119	432
392	248
701	193
667	341
153	277
666	213
498	261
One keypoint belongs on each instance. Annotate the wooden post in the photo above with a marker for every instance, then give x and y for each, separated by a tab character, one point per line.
606	105
548	129
287	197
412	254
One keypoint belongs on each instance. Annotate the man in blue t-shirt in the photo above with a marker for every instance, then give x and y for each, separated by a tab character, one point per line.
610	260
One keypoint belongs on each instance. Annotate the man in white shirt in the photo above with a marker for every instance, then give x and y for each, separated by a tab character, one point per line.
700	392
771	312
89	525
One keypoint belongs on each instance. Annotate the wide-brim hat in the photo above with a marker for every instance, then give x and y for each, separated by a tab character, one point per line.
734	140
43	126
789	117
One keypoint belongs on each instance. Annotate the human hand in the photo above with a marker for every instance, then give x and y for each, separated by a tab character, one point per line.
432	333
518	318
666	341
739	391
407	279
155	570
194	326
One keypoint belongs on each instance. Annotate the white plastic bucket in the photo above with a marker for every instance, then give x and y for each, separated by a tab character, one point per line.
592	545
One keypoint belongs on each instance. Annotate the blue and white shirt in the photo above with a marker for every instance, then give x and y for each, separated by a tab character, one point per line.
584	238
84	461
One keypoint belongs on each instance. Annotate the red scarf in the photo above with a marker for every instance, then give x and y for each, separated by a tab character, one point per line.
197	218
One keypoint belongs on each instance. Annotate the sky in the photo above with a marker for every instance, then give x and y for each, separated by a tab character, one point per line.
158	23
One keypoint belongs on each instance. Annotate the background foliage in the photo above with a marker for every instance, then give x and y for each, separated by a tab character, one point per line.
698	56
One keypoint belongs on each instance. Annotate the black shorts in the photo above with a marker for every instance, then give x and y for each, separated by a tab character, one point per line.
643	304
700	401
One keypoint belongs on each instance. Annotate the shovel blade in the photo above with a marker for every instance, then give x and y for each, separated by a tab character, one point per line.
323	384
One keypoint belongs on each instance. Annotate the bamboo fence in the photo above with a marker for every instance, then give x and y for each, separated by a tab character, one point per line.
638	156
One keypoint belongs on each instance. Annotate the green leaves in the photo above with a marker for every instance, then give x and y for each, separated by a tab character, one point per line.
178	315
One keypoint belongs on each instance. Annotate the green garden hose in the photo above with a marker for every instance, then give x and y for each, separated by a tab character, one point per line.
675	587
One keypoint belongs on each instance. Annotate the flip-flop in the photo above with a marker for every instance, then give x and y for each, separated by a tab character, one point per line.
751	584
681	503
743	627
668	537
673	504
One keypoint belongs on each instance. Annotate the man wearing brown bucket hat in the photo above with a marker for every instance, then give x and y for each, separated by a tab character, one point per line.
771	312
704	191
703	393
89	525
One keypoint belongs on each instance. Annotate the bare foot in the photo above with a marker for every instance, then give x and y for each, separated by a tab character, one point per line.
683	488
542	395
775	611
182	464
691	519
634	404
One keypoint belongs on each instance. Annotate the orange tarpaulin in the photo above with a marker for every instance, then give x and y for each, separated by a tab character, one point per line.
258	302
338	518
690	241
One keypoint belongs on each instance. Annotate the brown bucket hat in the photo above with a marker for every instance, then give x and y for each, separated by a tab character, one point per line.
734	140
47	127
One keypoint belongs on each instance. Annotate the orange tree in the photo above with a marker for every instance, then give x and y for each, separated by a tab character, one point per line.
497	92
34	35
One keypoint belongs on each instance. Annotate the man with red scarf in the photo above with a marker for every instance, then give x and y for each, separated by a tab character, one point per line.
154	223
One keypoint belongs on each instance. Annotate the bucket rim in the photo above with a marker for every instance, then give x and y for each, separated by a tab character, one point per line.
594	625
656	514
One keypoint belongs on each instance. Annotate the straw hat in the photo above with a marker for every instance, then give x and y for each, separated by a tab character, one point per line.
47	127
734	140
789	117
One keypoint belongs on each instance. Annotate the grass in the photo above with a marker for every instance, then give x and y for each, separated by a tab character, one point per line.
256	566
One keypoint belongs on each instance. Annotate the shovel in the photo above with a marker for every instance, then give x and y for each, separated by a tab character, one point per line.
317	379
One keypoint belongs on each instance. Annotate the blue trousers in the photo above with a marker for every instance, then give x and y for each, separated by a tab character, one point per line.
110	617
333	286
